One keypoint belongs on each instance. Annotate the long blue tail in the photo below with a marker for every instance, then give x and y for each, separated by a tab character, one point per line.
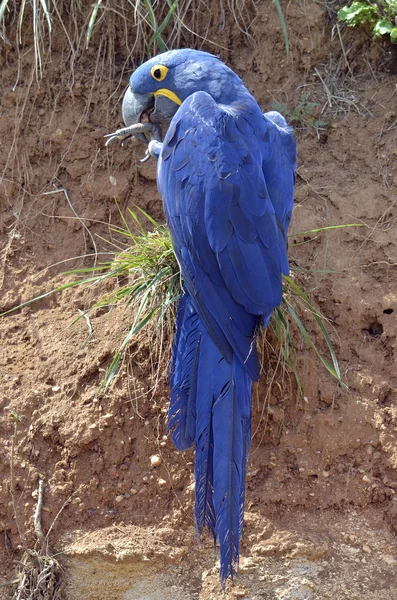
211	407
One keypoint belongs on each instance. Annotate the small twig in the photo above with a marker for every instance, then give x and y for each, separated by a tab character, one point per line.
343	49
90	331
67	501
7	583
37	513
59	189
87	318
21	587
392	126
329	95
13	234
12	480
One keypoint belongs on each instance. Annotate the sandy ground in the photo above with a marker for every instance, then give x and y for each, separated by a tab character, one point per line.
321	490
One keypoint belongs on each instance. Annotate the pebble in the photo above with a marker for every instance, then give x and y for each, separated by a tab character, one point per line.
155	460
55	388
161	482
133	491
119	498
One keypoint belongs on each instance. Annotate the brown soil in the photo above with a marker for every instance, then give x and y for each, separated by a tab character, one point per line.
321	490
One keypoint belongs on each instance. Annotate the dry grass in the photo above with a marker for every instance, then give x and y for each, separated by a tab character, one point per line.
39	577
38	572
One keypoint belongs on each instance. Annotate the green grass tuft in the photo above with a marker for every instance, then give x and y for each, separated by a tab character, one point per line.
149	281
149	285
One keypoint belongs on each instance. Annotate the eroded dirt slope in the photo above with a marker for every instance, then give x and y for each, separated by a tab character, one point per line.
321	489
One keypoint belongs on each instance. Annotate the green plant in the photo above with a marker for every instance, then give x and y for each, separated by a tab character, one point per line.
302	115
149	285
380	17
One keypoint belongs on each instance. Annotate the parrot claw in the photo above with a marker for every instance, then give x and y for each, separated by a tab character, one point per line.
153	149
146	157
137	130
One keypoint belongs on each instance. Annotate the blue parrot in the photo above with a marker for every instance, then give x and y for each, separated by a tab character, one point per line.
226	176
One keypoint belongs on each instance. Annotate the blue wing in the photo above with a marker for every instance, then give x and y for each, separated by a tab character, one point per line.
226	176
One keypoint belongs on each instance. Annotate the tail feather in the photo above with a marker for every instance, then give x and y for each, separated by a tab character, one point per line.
204	441
183	373
231	422
211	405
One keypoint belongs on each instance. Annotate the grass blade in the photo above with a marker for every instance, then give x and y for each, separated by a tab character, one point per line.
92	21
283	25
327	229
154	25
164	24
61	288
334	372
47	14
3	6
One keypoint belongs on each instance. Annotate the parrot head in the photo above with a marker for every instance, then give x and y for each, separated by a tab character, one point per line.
159	86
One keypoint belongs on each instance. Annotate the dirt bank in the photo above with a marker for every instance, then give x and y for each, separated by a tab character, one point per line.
321	490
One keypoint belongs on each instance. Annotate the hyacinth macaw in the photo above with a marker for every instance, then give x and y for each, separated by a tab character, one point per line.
225	173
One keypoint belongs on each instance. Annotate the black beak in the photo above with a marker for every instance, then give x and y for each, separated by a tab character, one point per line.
159	109
135	105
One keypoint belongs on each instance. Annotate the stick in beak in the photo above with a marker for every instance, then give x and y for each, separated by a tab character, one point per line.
134	107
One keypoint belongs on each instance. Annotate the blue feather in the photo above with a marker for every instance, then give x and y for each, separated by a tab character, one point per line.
204	441
230	420
183	375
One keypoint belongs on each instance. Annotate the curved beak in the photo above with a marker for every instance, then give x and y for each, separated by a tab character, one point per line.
135	105
159	109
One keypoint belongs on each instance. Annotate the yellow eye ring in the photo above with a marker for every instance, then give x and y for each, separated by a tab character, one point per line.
159	72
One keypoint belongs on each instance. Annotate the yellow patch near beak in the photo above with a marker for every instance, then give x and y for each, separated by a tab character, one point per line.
168	94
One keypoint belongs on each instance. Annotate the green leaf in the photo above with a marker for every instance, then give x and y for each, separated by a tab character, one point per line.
283	25
164	24
356	13
382	27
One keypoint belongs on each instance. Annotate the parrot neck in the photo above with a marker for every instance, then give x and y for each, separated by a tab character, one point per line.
213	77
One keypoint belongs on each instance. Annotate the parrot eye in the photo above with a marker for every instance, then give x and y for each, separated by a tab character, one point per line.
159	72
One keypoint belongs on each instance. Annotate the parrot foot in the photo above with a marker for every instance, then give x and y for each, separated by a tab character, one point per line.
138	130
153	149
